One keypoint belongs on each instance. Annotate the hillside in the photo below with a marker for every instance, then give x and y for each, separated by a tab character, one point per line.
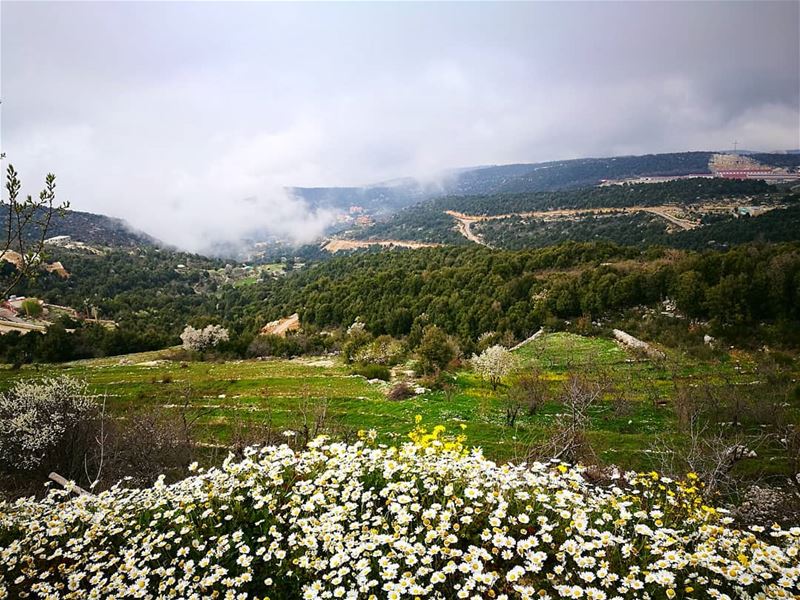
91	229
672	213
520	178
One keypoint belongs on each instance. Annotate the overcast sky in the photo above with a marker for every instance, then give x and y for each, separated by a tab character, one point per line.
170	115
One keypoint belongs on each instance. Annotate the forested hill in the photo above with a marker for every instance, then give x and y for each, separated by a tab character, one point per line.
520	178
601	213
471	290
682	191
566	174
90	228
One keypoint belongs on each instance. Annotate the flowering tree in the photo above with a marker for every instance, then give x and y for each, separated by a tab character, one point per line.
203	339
493	364
37	417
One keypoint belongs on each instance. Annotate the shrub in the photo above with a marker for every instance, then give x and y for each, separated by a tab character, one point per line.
436	350
356	338
383	350
39	419
330	521
373	371
400	391
32	307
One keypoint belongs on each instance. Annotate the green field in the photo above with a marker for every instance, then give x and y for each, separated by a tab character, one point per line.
276	395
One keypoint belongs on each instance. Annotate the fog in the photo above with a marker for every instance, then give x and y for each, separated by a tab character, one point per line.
189	119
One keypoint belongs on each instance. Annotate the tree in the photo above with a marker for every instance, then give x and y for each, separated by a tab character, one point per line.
357	338
568	441
494	363
203	339
436	350
529	391
27	223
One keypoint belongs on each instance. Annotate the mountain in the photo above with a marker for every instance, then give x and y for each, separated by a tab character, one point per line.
89	228
514	178
686	212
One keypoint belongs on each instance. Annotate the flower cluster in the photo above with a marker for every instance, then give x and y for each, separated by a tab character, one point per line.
35	417
362	520
437	439
203	339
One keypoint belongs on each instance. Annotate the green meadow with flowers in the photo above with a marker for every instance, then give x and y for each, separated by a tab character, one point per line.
226	398
432	496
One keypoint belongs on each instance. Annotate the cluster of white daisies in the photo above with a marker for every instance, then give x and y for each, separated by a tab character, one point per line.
422	520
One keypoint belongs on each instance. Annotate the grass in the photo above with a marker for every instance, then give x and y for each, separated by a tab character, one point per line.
278	393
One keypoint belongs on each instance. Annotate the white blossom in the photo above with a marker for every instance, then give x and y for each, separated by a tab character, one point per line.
203	339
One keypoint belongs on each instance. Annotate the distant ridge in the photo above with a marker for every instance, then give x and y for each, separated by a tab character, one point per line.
388	197
92	229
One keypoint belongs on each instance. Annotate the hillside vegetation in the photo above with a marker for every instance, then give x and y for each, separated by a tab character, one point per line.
90	228
535	220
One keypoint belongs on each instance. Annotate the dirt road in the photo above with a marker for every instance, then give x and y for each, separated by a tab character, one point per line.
465	221
336	245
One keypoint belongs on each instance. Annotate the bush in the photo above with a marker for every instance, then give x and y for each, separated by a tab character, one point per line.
356	338
436	350
373	371
44	421
401	391
383	350
32	307
313	523
292	345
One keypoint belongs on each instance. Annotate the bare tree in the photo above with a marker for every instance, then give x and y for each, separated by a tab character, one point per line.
711	453
28	220
313	415
567	441
527	392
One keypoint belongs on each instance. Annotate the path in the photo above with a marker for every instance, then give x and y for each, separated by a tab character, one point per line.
530	339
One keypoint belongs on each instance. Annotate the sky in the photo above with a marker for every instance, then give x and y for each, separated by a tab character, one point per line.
188	119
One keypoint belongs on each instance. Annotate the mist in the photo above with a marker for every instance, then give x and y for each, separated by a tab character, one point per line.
190	120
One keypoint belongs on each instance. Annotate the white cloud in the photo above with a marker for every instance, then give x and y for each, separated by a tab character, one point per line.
172	116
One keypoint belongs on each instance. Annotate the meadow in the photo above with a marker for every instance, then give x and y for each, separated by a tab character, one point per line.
258	400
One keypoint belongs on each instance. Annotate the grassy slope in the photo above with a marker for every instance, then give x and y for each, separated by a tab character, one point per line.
277	392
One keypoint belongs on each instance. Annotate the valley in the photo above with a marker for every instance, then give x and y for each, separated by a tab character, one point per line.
400	300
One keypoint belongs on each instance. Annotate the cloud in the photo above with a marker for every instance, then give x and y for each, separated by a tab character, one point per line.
190	119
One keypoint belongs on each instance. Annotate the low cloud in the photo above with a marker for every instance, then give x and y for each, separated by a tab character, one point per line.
190	120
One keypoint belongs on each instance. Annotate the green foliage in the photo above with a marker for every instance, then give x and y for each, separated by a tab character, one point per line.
428	222
291	345
32	307
436	350
372	371
467	292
